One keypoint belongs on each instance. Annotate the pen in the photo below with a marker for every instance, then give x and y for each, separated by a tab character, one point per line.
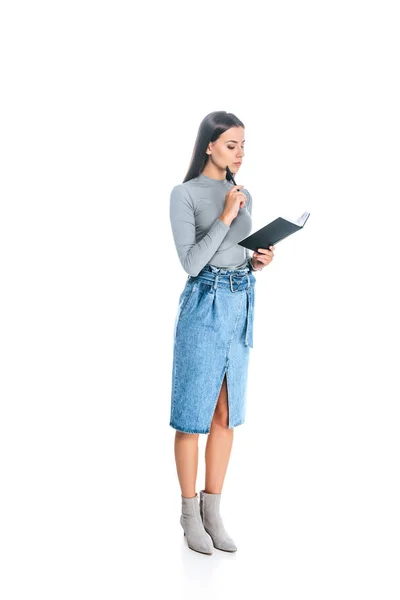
231	175
233	180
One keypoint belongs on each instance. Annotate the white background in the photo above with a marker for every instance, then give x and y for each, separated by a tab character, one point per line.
101	103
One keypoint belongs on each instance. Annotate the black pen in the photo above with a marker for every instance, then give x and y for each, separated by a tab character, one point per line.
231	175
233	180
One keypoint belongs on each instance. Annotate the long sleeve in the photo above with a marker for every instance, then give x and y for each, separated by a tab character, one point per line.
192	256
249	208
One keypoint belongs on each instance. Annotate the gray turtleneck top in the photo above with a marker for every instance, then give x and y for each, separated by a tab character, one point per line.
200	236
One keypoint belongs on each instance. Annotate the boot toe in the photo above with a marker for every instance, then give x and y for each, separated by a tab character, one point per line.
203	546
227	546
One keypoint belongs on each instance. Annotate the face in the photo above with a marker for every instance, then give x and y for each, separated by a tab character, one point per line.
228	149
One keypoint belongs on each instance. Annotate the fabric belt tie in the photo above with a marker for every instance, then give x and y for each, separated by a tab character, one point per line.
249	310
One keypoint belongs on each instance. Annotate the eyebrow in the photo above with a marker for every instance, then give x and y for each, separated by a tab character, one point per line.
236	142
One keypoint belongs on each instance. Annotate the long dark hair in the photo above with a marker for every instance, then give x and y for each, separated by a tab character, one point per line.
211	127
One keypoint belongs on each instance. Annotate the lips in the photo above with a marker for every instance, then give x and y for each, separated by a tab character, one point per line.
238	163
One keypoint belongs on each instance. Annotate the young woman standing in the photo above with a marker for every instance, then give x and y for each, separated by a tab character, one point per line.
213	330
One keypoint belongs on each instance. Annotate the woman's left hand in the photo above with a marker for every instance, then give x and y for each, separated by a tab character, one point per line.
262	258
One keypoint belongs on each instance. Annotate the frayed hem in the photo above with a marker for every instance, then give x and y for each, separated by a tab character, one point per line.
205	431
236	424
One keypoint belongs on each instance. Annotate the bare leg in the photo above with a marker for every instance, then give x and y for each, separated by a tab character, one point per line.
186	458
219	444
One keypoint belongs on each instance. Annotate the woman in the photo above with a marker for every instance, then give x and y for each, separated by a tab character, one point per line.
213	330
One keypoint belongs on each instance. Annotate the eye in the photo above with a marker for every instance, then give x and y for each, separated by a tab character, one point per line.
233	147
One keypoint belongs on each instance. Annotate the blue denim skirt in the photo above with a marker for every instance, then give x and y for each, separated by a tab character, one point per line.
213	334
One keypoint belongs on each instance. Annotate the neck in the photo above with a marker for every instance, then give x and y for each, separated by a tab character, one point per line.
214	172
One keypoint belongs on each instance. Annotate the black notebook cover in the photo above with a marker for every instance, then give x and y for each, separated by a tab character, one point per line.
271	234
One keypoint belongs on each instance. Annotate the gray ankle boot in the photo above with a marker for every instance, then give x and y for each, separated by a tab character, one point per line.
212	521
197	537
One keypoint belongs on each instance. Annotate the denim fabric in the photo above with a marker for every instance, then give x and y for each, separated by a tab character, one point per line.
213	334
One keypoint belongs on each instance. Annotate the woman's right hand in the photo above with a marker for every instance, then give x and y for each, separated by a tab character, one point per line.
234	200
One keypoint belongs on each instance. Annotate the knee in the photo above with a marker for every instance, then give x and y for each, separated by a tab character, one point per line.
221	418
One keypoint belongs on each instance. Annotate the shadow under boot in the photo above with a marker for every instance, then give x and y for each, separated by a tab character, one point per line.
193	528
212	521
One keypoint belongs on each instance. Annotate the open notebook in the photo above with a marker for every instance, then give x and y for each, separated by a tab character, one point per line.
274	232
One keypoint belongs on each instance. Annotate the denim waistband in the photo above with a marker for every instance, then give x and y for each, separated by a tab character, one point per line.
236	279
213	269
